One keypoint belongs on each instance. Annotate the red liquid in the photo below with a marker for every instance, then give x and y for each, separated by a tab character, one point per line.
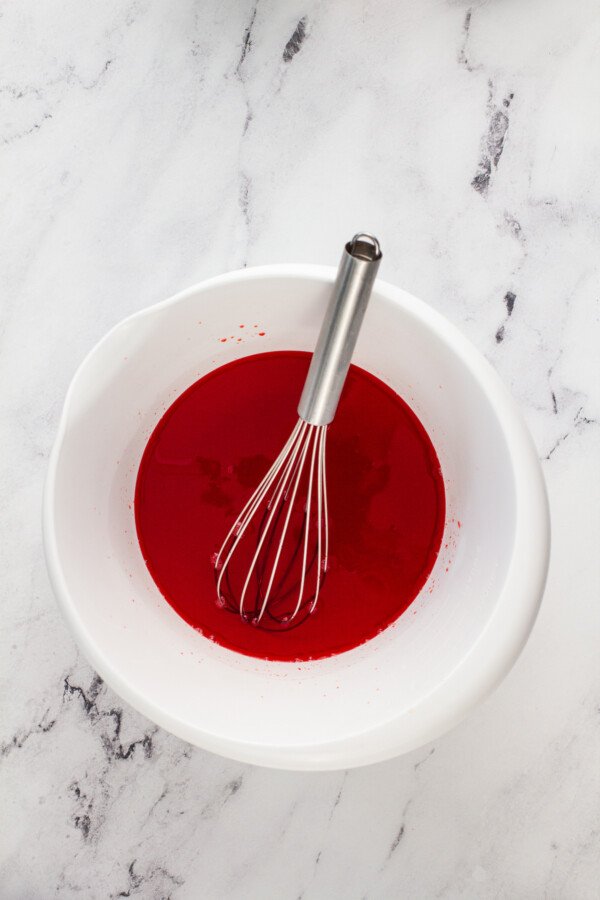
385	489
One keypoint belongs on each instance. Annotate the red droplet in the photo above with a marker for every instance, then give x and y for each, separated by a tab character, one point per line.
222	340
261	334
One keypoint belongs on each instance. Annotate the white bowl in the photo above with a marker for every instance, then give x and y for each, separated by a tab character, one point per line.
396	692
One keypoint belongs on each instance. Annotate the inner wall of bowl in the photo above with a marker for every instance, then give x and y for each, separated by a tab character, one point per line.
119	396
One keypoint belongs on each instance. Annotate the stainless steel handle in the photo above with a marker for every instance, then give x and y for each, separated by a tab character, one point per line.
339	331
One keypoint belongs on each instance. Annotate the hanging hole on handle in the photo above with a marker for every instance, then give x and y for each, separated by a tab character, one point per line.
364	246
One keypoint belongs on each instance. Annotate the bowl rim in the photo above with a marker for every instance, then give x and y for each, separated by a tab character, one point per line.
492	654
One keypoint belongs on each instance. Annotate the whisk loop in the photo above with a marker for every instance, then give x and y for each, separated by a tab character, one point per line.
285	523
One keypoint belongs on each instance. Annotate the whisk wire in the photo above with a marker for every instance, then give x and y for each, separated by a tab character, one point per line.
299	468
243	520
306	519
273	506
321	515
298	473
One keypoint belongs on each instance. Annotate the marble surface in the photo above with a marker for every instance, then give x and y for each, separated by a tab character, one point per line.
148	144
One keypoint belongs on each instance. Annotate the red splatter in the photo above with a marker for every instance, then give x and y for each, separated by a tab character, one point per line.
223	340
261	334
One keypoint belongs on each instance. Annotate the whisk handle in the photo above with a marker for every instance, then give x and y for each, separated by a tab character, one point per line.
339	331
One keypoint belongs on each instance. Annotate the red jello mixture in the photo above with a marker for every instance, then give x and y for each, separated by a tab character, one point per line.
385	490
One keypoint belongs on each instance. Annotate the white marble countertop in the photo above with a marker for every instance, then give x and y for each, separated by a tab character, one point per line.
148	144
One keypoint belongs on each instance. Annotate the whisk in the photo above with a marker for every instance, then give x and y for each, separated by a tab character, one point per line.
272	565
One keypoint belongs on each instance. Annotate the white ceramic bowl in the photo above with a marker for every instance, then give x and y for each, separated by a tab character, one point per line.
399	690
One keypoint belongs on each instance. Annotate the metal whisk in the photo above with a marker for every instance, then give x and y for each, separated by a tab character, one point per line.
272	564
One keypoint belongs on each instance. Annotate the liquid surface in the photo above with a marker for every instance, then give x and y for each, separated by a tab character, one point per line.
385	490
